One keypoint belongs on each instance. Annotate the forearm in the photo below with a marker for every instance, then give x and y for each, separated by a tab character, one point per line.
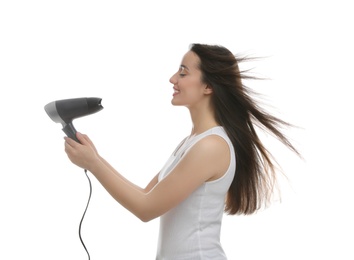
130	196
121	176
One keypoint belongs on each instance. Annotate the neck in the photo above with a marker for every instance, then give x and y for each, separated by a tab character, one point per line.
202	120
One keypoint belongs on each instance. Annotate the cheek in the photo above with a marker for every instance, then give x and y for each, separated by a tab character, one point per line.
193	95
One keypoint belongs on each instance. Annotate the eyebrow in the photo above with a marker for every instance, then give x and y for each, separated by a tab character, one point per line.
184	67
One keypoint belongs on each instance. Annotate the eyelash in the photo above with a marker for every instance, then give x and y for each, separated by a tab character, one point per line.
182	75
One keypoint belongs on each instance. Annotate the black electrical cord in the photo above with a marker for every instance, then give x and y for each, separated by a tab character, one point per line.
82	242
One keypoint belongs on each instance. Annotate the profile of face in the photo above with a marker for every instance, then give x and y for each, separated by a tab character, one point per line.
189	90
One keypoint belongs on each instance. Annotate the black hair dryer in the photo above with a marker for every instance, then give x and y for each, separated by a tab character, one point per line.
66	110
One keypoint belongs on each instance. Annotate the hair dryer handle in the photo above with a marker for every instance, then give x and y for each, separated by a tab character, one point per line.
70	131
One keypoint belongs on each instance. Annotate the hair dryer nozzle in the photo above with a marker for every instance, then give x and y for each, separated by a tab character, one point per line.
66	110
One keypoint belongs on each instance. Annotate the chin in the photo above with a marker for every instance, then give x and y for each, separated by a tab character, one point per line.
174	103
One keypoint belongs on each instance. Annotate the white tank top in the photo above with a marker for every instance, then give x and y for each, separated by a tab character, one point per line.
191	230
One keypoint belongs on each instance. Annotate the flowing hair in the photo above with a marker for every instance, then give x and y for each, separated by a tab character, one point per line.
236	110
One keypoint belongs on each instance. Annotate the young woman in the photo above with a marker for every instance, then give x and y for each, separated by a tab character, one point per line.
221	167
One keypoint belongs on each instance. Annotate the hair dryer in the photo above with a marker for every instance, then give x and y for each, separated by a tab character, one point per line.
66	110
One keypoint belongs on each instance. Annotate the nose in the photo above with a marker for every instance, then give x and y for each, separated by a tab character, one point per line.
173	79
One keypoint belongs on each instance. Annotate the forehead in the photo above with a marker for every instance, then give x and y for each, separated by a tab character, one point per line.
190	60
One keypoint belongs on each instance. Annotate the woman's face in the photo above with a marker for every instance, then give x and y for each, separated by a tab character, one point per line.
188	88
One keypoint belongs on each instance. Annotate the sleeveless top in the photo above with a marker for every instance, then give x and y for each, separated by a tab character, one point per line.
191	230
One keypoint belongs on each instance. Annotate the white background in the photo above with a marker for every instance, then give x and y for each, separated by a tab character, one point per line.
125	53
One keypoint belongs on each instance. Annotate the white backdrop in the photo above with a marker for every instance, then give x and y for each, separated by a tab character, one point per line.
125	53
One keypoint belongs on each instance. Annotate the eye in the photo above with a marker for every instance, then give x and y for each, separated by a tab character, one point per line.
182	72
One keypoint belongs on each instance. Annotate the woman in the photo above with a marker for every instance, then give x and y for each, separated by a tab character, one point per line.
221	166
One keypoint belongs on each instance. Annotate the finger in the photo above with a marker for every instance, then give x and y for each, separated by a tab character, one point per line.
85	137
82	138
86	140
67	147
70	142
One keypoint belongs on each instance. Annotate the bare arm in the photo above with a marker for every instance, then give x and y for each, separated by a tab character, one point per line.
151	184
206	160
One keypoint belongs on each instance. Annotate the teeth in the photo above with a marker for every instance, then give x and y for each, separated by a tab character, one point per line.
176	91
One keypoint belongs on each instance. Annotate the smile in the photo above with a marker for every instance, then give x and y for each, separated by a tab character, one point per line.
175	92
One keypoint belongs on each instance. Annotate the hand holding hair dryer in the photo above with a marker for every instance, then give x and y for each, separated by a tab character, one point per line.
66	110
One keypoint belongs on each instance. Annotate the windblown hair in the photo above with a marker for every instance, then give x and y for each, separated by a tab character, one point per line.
238	113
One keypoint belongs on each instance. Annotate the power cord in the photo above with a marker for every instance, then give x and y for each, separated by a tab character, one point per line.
82	242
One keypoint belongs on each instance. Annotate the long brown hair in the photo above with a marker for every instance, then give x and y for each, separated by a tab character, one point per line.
238	113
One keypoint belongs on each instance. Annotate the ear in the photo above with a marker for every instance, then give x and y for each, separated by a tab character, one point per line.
208	90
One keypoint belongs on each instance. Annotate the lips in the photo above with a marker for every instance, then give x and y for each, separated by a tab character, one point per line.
175	91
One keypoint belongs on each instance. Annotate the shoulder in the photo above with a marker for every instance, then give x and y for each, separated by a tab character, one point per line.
210	149
212	154
212	143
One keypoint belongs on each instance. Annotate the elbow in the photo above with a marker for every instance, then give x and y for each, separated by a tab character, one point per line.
146	213
145	220
146	217
144	209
